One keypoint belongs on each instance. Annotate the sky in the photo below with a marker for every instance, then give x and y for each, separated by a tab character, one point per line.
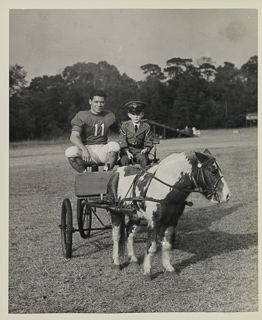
44	42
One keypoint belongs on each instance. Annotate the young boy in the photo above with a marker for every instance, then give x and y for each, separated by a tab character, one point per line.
136	138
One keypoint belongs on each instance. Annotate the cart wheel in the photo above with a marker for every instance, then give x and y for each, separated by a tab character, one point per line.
84	218
66	228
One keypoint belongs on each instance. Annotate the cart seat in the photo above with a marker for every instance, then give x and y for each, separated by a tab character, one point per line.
91	183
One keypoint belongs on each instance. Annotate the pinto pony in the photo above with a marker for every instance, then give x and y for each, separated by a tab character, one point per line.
158	195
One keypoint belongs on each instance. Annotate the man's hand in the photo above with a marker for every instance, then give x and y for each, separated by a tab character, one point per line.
86	155
144	151
75	138
129	154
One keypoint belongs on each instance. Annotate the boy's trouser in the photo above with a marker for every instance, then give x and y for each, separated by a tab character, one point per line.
140	158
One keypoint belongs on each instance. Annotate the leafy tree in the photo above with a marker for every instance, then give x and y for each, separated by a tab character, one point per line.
24	109
16	79
207	68
155	94
83	78
202	96
153	70
190	94
177	66
248	73
52	94
227	90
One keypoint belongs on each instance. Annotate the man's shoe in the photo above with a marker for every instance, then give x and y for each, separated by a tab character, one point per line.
107	167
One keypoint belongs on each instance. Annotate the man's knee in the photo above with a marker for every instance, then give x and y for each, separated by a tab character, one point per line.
113	146
72	152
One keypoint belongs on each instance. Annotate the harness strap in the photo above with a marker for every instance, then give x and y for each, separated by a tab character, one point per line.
134	199
144	198
167	184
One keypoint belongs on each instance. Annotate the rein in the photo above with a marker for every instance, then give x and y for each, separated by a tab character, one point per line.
196	181
200	175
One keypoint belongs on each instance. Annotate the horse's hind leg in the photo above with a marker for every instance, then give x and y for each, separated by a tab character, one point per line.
167	244
130	243
116	238
117	235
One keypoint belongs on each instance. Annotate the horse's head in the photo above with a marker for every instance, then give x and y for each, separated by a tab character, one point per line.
209	178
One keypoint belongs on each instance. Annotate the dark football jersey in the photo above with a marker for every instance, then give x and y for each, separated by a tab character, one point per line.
94	128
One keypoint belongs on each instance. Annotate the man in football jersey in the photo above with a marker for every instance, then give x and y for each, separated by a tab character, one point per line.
89	136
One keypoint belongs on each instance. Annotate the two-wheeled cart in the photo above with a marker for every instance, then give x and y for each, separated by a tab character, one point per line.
88	188
90	191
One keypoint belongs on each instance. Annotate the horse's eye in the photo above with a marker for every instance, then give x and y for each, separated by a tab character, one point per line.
214	171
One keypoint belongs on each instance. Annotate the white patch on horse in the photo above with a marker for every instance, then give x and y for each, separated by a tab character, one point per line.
225	192
126	190
158	190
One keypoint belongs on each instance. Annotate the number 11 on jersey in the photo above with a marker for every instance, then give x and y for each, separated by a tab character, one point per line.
102	129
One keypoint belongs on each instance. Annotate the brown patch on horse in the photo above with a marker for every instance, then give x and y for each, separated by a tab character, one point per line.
112	186
143	182
131	171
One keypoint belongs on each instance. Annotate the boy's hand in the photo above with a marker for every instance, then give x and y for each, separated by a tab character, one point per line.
144	151
129	154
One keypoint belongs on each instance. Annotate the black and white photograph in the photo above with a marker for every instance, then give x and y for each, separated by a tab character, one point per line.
132	160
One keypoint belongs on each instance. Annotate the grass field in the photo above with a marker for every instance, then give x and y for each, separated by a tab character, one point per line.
215	256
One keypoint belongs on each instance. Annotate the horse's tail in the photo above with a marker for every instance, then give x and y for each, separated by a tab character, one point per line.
122	235
120	217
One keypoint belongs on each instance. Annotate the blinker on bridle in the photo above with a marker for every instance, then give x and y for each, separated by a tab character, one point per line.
209	191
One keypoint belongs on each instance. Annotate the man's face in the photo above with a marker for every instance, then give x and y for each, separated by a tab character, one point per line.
97	104
136	116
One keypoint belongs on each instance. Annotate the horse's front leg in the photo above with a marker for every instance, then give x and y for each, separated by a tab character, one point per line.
151	250
167	244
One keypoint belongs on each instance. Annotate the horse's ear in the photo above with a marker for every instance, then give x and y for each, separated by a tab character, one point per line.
207	152
201	157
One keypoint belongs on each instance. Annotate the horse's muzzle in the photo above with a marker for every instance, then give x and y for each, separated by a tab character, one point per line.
228	197
217	199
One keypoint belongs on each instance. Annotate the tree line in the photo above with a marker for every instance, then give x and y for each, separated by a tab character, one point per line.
181	94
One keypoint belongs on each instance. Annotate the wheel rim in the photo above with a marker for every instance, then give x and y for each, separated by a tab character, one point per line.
66	228
84	218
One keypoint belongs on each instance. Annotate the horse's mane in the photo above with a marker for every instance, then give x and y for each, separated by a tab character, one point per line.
173	156
171	167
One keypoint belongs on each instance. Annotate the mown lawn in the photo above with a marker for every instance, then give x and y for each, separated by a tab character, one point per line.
215	257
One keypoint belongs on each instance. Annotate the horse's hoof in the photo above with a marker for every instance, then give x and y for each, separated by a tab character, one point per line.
134	265
147	277
116	267
171	274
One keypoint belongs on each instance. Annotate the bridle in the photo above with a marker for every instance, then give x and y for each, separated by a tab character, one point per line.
208	191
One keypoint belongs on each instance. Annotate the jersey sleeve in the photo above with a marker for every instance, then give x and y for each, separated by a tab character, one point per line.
115	126
77	123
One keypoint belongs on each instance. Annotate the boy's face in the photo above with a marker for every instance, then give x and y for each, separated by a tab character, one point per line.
136	116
